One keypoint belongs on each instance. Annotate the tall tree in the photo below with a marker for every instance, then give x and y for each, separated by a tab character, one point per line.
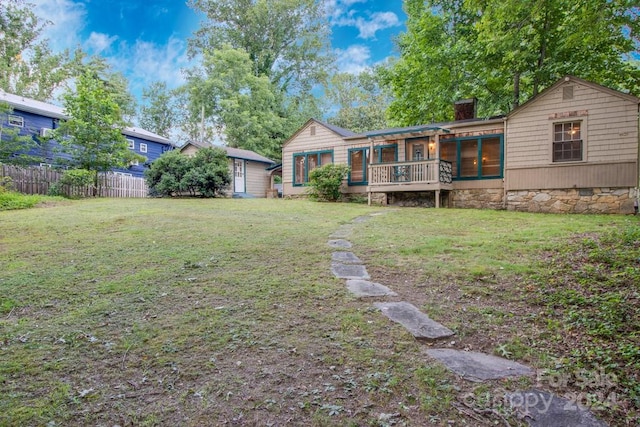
242	105
92	135
286	43
362	102
114	81
157	112
287	40
506	51
27	65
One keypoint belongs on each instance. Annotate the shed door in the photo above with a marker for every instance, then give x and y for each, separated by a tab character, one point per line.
238	178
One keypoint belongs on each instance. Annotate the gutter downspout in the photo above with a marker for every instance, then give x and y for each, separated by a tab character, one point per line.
504	170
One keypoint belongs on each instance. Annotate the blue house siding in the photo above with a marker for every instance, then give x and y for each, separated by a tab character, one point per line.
154	150
47	116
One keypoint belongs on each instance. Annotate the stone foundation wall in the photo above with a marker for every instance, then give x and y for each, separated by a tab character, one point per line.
479	198
573	200
425	199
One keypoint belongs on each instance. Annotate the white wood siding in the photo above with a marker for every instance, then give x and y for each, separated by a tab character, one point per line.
257	180
303	142
609	131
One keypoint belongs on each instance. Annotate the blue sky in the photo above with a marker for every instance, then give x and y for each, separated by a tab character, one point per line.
147	39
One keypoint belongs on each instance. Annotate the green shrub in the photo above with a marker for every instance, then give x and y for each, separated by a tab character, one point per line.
325	182
206	174
72	178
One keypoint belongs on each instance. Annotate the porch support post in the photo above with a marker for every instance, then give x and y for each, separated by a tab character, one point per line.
371	153
437	142
437	199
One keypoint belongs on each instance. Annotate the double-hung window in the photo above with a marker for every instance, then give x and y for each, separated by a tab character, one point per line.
567	142
132	144
303	163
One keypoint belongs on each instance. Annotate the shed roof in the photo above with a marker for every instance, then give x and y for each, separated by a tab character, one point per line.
234	153
56	112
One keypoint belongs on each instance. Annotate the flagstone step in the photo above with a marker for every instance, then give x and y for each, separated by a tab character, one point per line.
543	409
345	258
339	243
365	288
416	322
478	367
349	271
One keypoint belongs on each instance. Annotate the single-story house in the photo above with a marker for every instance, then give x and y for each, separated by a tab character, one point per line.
572	148
252	174
37	118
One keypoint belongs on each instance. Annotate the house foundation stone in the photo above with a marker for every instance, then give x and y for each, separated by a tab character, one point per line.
482	198
573	200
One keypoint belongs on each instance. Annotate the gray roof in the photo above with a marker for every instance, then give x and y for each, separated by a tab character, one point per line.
235	153
56	112
239	153
340	131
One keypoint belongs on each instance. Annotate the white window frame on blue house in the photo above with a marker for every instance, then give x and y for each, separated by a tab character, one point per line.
143	147
14	120
132	144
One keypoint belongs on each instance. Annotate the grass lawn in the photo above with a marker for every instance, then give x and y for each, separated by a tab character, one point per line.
212	312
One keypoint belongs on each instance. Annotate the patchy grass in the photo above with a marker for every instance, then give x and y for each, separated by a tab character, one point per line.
191	312
10	200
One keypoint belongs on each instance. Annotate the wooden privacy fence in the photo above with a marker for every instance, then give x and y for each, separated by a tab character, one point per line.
38	180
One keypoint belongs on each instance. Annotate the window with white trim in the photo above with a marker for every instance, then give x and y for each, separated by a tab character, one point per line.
16	120
132	144
567	142
143	147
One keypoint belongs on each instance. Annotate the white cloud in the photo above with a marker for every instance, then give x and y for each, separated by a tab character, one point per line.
151	62
66	21
99	43
353	59
342	14
379	21
335	9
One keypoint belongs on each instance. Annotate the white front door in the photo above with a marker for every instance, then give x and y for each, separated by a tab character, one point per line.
238	176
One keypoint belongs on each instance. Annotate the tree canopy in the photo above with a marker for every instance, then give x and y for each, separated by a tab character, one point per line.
361	101
504	52
261	58
92	135
286	40
157	113
28	67
206	174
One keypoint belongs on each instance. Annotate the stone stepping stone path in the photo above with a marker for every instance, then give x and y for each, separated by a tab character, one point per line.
542	409
345	258
339	244
349	271
365	288
478	367
539	408
416	322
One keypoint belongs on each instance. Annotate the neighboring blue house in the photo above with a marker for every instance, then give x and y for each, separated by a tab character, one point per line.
37	118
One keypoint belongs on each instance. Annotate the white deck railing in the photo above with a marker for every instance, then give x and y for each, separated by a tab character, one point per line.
423	172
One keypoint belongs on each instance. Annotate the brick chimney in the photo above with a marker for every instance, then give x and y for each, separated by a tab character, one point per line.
465	109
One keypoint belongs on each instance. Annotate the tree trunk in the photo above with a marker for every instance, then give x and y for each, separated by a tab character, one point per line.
516	90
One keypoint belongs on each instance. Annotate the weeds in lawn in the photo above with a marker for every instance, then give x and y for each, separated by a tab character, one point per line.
192	312
592	290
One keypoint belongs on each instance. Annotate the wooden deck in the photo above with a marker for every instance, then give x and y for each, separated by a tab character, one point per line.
423	175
